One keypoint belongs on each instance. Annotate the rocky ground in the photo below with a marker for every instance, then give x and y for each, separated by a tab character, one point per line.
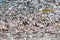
22	20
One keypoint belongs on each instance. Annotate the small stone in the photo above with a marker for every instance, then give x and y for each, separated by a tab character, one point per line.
25	23
4	30
47	24
36	25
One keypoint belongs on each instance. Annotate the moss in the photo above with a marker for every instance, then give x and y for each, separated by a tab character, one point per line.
46	10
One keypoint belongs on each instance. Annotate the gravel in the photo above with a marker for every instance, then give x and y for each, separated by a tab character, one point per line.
22	20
